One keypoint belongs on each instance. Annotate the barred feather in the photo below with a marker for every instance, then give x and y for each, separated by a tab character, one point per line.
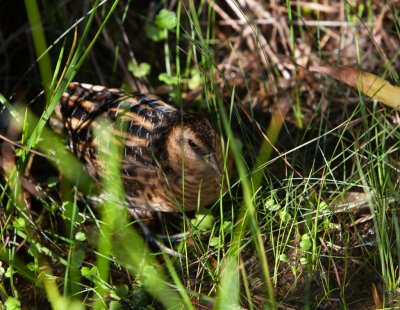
157	141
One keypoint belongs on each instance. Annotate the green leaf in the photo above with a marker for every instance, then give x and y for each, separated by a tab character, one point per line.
89	272
215	242
227	226
9	272
168	79
154	33
32	266
12	303
140	70
305	243
80	236
323	206
19	224
303	261
122	290
284	215
204	220
271	205
283	258
71	211
166	19
115	305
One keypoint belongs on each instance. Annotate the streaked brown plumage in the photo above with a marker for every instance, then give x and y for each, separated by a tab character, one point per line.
157	141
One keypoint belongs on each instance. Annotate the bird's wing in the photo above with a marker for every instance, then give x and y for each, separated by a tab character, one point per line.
139	122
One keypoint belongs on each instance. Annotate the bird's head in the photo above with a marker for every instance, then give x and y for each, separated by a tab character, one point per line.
194	144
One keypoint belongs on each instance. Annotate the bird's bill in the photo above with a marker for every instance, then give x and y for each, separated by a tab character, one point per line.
211	159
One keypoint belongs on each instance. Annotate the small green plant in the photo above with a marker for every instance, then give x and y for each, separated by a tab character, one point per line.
164	21
285	231
140	70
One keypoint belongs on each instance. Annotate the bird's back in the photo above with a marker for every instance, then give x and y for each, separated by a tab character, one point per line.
151	134
139	121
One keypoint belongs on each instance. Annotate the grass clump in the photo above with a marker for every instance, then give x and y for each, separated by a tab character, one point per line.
309	217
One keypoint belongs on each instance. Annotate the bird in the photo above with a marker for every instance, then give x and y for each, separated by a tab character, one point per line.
171	160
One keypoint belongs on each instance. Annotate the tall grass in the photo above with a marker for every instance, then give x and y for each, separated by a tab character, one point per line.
263	230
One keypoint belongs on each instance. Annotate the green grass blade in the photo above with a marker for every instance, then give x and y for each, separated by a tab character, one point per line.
39	41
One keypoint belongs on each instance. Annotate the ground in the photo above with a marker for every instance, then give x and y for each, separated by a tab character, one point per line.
310	222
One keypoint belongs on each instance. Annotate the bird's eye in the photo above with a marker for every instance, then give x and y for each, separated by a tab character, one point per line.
191	143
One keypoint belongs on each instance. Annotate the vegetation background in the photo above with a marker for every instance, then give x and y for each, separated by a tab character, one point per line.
309	219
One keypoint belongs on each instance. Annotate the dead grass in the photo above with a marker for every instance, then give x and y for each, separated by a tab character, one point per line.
326	209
